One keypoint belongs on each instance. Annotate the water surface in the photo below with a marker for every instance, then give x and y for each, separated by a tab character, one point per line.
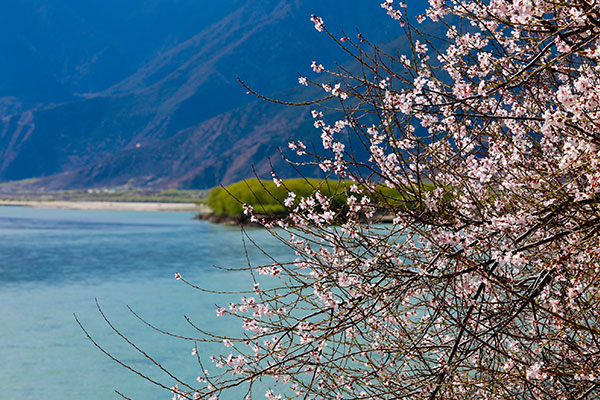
54	263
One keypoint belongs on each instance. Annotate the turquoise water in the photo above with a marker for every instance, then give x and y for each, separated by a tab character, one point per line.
54	263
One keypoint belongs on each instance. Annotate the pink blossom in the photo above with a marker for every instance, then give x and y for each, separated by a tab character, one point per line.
221	311
248	209
317	67
318	22
289	201
420	47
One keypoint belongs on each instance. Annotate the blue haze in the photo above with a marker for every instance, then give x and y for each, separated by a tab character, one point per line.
83	83
53	49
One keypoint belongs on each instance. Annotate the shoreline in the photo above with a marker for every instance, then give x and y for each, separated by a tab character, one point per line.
108	205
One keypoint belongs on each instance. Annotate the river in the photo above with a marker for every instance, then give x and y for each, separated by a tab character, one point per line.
55	263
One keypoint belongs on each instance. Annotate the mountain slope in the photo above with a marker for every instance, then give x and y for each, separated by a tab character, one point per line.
184	107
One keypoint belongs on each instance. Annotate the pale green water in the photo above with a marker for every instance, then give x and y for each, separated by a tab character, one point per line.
53	263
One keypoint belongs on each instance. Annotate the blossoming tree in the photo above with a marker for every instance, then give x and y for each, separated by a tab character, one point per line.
484	151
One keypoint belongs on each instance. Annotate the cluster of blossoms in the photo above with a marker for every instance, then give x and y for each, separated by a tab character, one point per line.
486	161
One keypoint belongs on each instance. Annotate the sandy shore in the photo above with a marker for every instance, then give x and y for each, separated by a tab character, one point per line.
108	205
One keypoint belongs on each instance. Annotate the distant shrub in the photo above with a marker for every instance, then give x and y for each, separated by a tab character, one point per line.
268	199
263	195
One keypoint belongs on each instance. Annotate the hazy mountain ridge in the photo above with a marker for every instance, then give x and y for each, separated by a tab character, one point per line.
220	150
184	108
87	46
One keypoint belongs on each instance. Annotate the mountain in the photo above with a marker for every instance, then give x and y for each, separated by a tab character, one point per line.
146	92
56	48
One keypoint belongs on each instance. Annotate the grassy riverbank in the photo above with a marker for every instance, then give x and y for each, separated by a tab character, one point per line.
268	199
